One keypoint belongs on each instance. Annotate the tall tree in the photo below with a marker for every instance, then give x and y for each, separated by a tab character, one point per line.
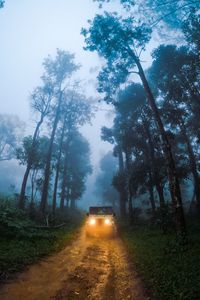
119	40
76	112
58	72
181	97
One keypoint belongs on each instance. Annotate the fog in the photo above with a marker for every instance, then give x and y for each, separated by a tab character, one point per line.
32	30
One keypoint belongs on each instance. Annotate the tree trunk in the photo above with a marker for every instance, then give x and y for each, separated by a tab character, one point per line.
193	165
179	218
58	170
130	208
130	191
64	181
151	194
156	176
44	197
122	196
21	203
72	204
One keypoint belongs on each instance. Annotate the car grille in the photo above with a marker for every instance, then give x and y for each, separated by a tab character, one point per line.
99	221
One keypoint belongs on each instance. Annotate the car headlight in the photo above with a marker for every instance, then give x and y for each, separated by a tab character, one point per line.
107	221
92	221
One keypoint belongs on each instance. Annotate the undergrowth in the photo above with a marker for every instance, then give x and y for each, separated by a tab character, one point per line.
170	271
22	243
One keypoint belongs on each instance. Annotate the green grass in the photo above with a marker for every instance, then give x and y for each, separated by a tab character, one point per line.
170	272
18	252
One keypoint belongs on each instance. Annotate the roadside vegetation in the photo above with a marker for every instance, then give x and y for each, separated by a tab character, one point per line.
24	239
170	270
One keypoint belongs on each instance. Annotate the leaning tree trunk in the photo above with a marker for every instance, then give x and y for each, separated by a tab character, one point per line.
58	170
179	218
44	197
21	203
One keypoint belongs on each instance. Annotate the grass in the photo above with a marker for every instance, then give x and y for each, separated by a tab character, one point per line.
171	271
16	254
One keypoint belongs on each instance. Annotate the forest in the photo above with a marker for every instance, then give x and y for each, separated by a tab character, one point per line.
148	77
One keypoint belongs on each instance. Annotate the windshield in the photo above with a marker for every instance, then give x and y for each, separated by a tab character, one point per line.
102	210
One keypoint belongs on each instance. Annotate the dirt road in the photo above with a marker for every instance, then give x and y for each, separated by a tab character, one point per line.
90	268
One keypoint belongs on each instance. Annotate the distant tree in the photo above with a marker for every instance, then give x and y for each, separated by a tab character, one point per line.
114	137
76	111
103	183
75	169
40	105
57	72
2	2
11	129
37	154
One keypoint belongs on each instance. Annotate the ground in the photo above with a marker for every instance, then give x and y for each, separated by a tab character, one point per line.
90	268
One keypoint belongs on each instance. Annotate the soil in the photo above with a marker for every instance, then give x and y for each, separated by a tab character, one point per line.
91	268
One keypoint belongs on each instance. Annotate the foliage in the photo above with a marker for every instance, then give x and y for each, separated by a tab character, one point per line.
22	243
171	271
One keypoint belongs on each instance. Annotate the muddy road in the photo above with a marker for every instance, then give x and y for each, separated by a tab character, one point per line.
90	268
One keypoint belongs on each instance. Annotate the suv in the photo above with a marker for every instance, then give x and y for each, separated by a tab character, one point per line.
100	221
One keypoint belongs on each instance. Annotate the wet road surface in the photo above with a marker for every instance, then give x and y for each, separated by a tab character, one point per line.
90	268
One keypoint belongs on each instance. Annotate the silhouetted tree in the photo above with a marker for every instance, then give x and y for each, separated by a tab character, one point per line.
119	41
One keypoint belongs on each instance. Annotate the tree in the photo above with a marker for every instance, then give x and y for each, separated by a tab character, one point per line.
119	40
76	111
37	155
75	169
180	97
113	137
11	129
40	104
2	3
57	72
103	183
172	13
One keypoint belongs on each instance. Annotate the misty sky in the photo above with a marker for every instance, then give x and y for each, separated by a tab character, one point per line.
29	31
